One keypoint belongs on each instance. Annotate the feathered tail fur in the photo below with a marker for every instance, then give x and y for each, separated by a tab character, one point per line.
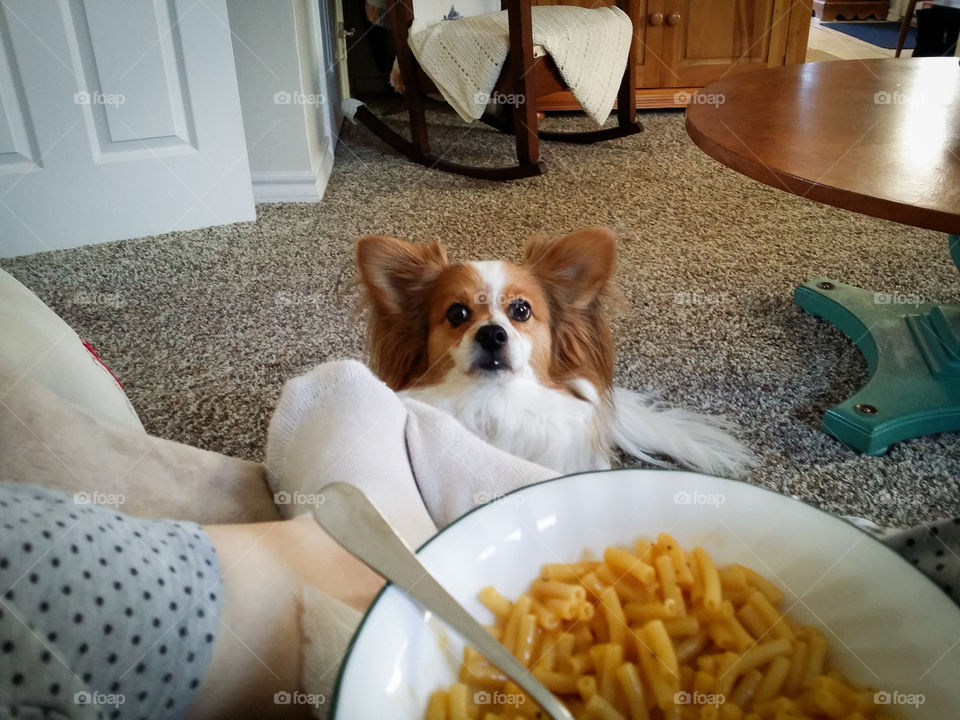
644	429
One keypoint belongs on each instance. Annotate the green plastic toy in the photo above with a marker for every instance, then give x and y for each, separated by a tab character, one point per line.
912	349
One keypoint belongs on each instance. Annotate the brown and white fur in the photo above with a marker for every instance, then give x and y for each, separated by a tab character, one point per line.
522	355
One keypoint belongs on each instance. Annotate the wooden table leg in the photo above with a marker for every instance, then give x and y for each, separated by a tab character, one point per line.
905	25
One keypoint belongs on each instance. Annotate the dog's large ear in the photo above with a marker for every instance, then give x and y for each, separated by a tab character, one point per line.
397	273
575	272
575	268
398	277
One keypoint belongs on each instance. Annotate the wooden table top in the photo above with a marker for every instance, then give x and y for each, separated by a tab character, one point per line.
879	137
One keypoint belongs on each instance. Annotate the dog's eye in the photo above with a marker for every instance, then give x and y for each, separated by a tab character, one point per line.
457	314
519	310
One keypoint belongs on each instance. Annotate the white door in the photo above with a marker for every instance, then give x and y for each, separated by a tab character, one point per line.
120	118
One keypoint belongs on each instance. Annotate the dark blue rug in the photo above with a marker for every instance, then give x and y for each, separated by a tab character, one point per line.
881	34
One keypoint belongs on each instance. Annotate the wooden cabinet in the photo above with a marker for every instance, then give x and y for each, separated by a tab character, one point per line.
683	45
851	9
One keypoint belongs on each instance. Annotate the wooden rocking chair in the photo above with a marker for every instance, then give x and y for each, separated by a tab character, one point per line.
524	77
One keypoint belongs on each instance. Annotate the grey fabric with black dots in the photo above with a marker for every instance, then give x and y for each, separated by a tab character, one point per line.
103	615
935	551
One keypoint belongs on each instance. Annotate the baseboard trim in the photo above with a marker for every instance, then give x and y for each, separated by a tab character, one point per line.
299	186
324	167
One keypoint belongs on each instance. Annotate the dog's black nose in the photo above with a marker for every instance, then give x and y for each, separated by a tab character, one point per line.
491	337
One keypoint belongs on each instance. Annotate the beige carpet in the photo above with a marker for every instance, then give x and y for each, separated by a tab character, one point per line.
203	327
820	56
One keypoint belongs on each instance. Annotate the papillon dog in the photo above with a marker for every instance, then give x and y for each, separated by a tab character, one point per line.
522	355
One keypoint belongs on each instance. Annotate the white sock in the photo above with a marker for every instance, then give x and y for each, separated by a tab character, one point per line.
338	423
418	465
455	470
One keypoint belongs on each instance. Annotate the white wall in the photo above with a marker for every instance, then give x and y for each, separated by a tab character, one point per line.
290	104
897	9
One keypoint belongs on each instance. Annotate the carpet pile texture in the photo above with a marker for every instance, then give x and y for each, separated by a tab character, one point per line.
203	327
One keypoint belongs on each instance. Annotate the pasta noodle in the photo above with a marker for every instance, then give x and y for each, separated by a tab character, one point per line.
657	633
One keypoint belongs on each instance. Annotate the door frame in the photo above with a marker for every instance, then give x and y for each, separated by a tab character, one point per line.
340	47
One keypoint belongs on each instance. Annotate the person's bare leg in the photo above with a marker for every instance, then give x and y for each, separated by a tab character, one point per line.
258	650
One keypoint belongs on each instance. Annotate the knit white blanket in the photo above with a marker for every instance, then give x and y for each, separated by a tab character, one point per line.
464	57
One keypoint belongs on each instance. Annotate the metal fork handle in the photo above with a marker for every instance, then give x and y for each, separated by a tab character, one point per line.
353	521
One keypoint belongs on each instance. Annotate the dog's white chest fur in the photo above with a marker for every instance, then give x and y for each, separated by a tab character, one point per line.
522	417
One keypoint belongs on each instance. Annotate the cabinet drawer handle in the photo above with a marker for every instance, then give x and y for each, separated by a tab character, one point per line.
673	19
655	19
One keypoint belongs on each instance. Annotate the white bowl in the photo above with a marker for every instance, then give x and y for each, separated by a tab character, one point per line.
886	624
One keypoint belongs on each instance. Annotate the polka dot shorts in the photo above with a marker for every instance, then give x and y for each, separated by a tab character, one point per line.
102	615
935	551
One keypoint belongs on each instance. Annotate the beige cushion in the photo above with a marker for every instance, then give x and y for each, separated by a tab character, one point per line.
47	441
36	343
